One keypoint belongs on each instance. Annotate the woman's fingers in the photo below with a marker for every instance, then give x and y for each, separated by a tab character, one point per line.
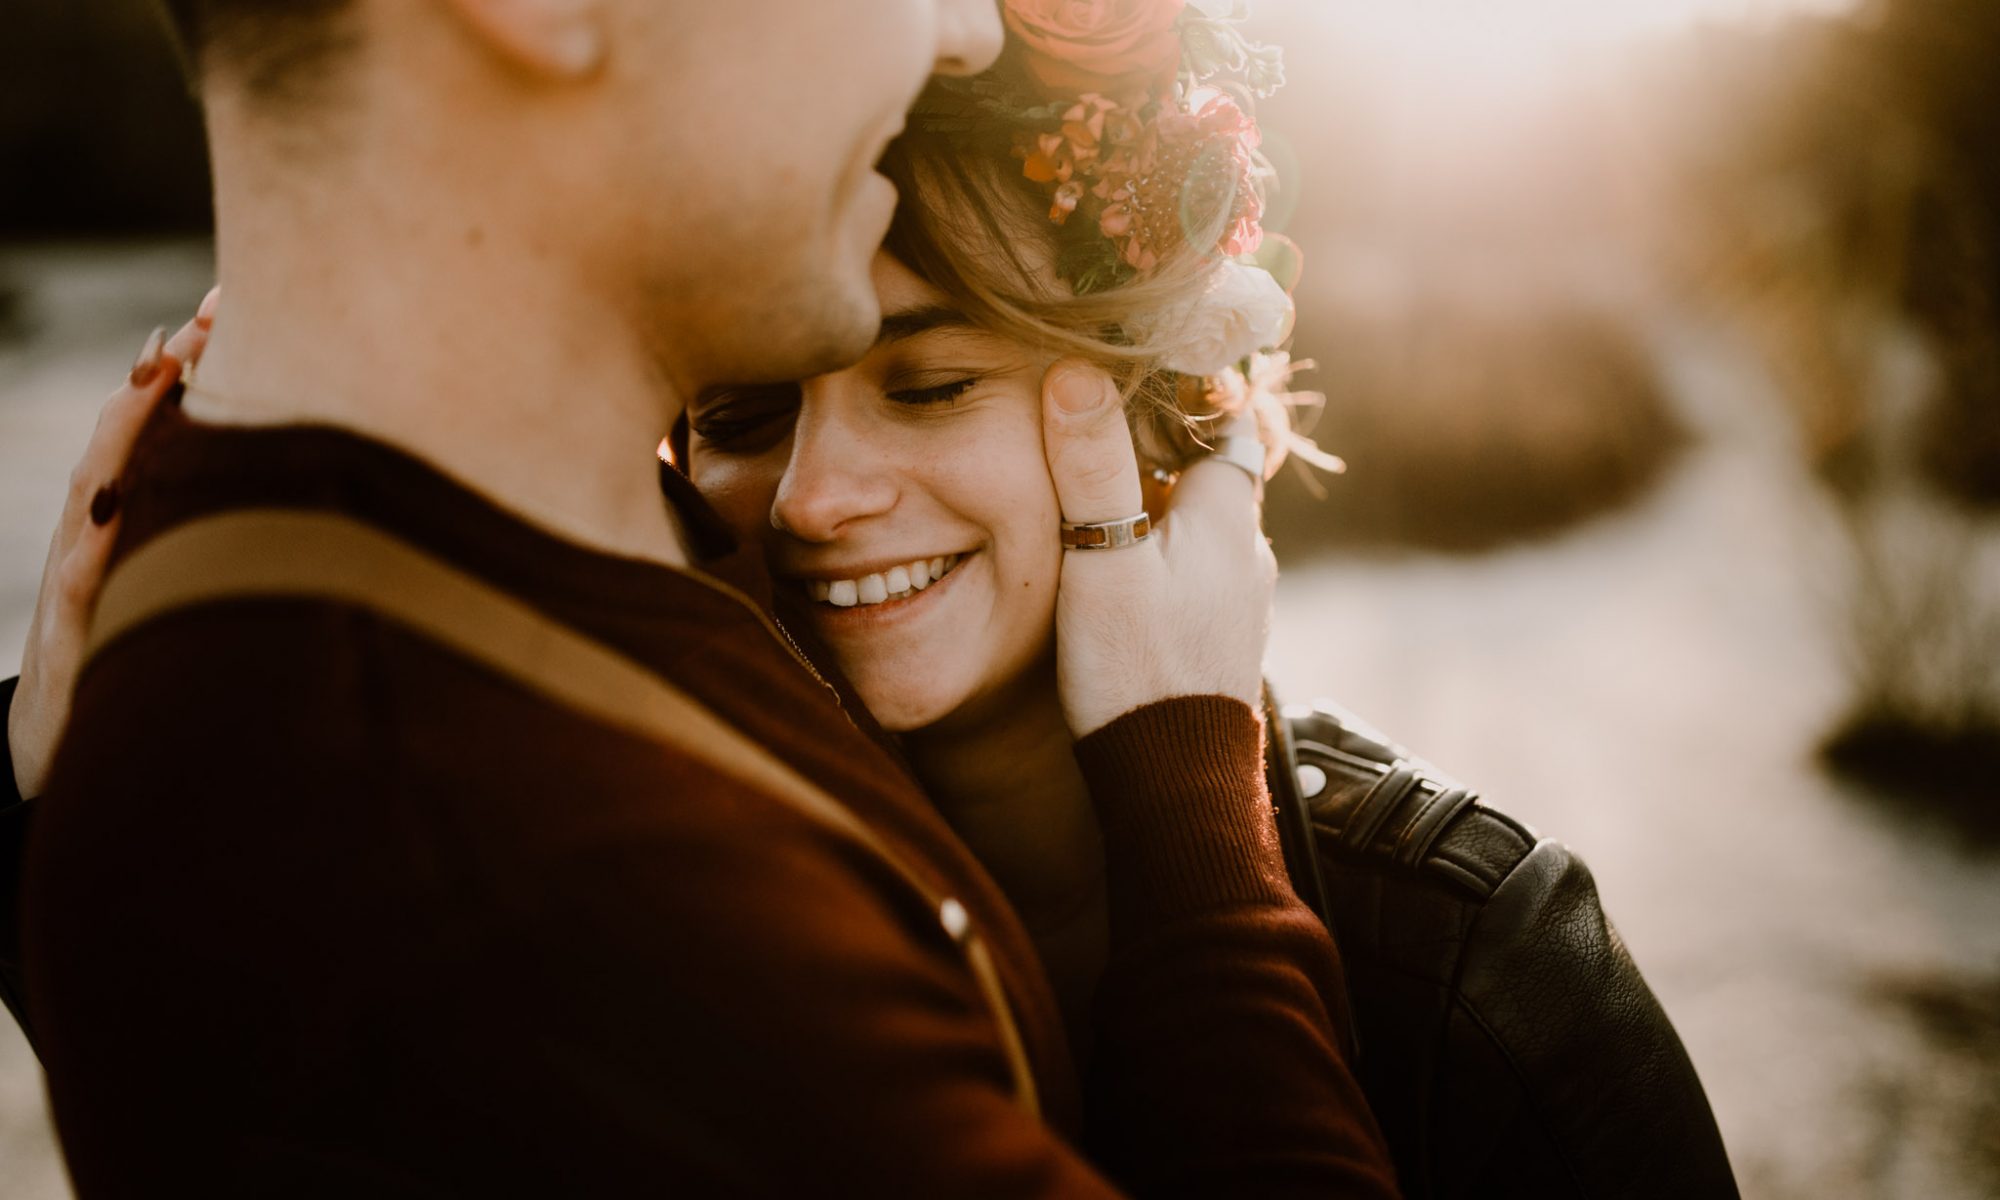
1219	496
85	544
1223	487
1089	445
152	376
1105	662
1164	618
73	575
186	345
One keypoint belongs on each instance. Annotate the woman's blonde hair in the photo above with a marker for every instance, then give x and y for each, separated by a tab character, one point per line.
973	226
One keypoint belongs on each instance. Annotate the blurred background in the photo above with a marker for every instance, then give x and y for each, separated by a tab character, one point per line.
1663	340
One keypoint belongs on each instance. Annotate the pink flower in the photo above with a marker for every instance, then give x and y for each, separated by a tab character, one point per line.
1246	232
1149	173
1098	45
1199	176
1225	125
1090	127
1066	199
1115	221
1083	129
1039	166
1140	257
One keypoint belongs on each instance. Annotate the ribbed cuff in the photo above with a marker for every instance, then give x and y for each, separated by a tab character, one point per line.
1180	793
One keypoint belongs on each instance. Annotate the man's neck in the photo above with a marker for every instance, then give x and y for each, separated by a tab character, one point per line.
433	331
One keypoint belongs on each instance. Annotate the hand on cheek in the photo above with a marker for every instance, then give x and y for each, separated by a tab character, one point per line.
1185	612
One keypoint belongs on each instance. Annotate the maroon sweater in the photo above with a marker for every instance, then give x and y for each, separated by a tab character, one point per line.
314	907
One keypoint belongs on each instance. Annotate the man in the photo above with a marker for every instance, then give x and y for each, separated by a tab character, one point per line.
321	901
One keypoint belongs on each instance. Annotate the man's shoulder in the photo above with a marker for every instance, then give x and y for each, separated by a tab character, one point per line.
235	649
374	735
303	692
324	679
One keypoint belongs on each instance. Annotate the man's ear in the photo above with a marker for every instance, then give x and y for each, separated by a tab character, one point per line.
553	39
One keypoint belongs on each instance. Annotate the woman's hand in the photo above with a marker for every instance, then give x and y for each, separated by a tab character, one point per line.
1186	612
80	551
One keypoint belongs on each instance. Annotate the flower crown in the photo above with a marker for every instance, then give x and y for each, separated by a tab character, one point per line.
1133	116
1136	117
1124	117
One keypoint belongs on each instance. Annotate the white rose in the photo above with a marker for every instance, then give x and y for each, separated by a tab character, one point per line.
1242	311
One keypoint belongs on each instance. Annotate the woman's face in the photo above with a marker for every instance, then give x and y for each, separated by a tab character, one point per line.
908	499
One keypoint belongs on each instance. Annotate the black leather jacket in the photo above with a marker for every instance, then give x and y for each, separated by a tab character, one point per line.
1505	1038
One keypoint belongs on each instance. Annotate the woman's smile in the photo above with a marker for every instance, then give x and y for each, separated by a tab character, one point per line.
871	599
851	586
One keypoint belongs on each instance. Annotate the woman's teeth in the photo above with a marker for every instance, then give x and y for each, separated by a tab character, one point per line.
896	583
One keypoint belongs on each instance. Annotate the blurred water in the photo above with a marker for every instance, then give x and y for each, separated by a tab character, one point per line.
1648	687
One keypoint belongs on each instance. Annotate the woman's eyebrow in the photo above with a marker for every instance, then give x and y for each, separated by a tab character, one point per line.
913	321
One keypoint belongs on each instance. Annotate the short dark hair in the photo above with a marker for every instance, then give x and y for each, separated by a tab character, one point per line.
276	47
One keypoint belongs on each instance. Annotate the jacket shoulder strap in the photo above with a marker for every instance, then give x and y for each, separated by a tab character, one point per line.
279	554
1290	810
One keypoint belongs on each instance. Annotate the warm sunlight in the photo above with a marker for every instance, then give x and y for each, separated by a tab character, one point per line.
1503	49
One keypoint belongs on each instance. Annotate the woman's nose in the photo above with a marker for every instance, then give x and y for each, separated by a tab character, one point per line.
831	481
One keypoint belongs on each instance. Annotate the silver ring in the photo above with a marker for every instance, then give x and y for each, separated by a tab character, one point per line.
1107	535
1244	453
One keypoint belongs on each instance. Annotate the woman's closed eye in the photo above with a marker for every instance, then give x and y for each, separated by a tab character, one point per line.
933	395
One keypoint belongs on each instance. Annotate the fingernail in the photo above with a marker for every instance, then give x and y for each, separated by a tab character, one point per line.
181	344
205	315
1076	392
104	505
147	364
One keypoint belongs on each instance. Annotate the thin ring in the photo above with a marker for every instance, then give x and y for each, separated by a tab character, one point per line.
1244	453
1107	535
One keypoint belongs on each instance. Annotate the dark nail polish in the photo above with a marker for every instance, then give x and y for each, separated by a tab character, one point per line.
104	505
148	363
